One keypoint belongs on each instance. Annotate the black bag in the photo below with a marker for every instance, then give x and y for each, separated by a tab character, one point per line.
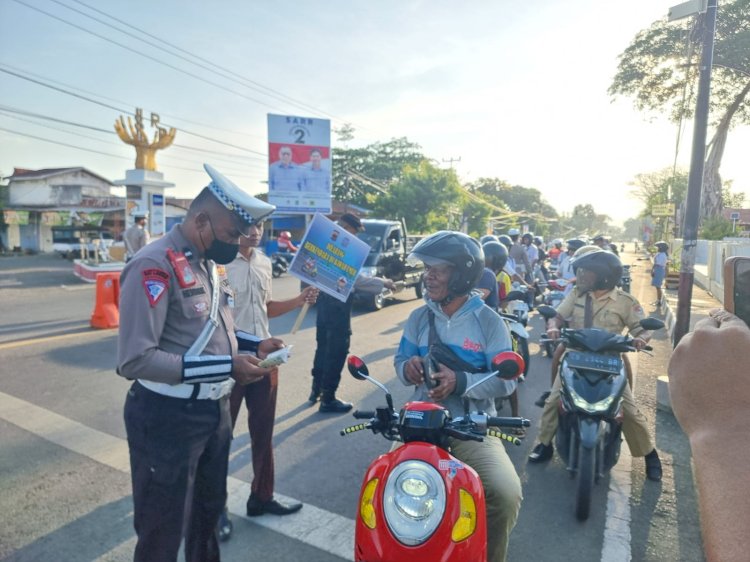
443	354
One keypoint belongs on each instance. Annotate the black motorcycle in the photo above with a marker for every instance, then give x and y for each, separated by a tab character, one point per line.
593	377
280	263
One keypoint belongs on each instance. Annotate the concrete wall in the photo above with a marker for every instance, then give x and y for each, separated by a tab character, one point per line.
709	262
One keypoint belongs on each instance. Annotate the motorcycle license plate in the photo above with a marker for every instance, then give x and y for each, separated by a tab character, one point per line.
605	363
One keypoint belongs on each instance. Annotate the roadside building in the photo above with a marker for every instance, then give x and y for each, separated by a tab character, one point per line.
38	200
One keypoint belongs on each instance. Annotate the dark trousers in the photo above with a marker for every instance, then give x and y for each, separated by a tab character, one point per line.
179	454
260	399
330	356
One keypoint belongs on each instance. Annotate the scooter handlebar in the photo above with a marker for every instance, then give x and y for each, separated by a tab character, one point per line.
508	422
504	436
353	428
363	415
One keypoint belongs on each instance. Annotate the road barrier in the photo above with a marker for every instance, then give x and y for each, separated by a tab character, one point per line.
107	309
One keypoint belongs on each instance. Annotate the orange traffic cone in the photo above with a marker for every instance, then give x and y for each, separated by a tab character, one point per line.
106	311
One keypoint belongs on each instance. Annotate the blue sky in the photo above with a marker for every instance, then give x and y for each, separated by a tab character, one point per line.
516	90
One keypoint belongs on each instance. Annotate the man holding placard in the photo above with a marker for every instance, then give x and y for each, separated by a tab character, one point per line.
340	255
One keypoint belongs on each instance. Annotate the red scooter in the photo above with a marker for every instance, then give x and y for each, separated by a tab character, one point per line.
418	502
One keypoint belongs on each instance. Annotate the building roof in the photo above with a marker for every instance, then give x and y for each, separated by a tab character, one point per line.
744	214
22	174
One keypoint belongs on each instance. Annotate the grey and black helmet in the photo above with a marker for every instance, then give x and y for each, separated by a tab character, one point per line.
458	250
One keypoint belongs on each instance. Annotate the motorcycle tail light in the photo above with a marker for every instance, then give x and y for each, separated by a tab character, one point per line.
466	523
366	507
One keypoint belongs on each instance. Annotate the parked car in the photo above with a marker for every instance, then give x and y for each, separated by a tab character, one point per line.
67	240
389	247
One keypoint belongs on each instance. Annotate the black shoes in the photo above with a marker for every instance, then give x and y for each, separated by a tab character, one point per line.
542	399
541	453
334	406
653	466
225	526
314	396
255	507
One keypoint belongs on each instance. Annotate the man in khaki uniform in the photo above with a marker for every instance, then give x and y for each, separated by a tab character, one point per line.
177	341
136	236
597	303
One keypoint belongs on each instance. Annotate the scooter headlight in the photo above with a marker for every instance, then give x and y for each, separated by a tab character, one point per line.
581	403
414	501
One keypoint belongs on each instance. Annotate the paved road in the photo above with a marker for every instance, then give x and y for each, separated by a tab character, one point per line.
64	472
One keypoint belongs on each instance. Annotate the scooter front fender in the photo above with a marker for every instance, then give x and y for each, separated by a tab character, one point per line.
379	544
590	430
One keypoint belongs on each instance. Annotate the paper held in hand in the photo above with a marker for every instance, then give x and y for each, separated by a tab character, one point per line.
276	358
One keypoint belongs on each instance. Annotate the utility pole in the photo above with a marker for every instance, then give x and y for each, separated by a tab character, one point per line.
698	157
451	160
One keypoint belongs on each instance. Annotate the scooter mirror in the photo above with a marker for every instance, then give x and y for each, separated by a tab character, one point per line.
508	364
546	311
651	323
515	296
357	367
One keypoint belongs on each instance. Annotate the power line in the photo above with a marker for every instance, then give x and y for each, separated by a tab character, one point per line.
235	77
144	55
195	170
168	156
85	98
186	120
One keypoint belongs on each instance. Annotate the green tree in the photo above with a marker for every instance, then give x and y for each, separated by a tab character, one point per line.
585	220
715	228
528	202
662	186
425	196
659	70
361	174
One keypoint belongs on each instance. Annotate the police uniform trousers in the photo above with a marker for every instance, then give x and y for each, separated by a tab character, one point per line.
634	423
260	399
333	336
179	454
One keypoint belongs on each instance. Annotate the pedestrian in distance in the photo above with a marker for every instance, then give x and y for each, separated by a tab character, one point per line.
333	329
136	236
178	342
659	271
249	277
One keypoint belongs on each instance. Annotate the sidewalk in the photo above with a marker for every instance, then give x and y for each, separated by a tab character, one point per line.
700	304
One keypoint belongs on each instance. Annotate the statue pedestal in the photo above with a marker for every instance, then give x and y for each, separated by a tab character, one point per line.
144	191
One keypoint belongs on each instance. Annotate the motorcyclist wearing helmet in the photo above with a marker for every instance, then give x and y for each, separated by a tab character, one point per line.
565	269
597	272
555	251
517	253
659	270
284	240
474	334
496	258
533	253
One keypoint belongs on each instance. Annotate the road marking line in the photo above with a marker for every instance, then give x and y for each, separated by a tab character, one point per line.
317	527
45	339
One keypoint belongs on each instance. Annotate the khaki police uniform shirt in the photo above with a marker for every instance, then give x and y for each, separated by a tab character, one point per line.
135	238
250	281
613	311
158	326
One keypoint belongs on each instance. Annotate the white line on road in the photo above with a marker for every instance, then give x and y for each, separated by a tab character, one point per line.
324	530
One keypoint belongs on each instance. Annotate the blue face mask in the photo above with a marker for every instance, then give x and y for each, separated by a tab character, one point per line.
219	251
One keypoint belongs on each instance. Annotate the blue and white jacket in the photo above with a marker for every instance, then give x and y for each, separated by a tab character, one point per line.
475	333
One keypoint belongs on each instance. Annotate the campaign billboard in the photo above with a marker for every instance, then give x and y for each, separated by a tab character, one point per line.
329	258
299	164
